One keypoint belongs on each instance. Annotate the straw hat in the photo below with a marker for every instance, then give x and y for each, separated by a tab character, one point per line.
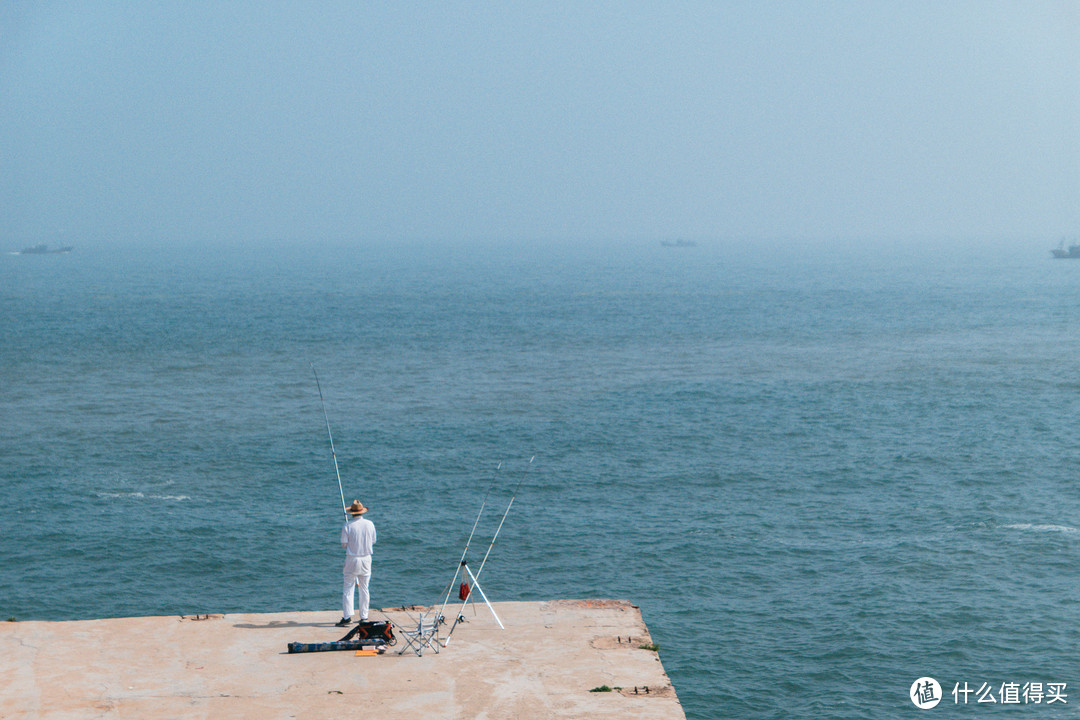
357	508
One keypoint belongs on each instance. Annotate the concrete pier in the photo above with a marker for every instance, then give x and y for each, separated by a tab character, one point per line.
547	663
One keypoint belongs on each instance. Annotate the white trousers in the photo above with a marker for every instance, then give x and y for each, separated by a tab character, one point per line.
357	574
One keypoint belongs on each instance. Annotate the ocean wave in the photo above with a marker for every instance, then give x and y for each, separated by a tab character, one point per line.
141	496
1042	528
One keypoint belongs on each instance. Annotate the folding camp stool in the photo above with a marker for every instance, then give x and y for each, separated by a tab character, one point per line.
424	632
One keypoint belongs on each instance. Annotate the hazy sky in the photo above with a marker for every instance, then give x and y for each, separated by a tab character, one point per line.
525	121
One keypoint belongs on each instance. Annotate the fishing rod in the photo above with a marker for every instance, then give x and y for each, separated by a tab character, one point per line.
468	542
508	506
331	436
475	577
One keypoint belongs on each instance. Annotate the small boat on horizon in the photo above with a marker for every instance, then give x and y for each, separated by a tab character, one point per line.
44	249
678	243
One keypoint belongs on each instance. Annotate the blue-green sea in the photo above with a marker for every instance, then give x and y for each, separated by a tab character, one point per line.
823	471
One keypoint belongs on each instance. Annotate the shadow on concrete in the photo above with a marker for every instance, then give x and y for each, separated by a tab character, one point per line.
284	624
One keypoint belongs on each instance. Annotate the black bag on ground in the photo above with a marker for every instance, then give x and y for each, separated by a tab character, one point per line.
371	632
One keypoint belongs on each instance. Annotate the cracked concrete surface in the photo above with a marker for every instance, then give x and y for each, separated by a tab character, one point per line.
543	665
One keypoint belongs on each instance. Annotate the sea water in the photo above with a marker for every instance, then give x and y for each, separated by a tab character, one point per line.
822	471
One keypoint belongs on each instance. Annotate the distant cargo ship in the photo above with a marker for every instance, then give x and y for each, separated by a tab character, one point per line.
45	250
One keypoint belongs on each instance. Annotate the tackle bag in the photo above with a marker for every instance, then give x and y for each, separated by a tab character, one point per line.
364	635
327	646
371	632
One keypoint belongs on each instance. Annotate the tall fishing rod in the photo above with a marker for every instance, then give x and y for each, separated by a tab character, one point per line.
331	436
508	506
468	542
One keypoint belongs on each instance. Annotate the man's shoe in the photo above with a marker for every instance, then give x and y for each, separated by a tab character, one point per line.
343	622
361	620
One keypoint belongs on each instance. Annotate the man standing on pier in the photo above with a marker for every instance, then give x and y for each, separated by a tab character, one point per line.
357	537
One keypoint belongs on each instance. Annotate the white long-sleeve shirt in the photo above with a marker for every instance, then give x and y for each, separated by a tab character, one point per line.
358	537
